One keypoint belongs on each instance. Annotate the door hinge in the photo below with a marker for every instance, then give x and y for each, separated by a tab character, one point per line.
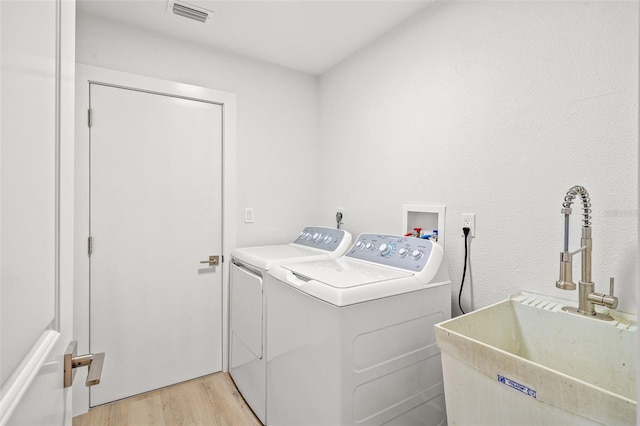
89	117
90	245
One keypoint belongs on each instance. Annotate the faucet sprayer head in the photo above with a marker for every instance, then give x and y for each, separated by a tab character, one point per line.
566	272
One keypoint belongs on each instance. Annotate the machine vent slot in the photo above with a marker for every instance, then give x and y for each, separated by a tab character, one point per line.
189	11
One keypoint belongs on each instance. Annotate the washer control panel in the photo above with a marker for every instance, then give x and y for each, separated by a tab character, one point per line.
408	253
323	238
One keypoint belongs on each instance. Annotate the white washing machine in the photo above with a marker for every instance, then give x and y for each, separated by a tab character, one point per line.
350	341
247	363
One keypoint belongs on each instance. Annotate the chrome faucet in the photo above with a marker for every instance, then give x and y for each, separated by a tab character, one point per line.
587	298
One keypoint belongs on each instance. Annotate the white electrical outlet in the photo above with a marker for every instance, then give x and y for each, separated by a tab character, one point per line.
248	215
469	221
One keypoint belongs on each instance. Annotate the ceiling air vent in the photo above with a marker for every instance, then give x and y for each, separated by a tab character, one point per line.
189	11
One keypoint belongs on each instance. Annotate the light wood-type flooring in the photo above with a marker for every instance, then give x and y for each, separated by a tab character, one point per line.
209	400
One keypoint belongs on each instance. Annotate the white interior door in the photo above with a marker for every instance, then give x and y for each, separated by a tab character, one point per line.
36	317
155	214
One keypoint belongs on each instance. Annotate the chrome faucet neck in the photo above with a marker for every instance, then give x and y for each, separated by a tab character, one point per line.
587	243
586	205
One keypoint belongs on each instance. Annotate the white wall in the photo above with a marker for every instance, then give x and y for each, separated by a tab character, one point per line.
277	119
494	108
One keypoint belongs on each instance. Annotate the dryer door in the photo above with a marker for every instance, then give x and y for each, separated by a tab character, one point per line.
246	308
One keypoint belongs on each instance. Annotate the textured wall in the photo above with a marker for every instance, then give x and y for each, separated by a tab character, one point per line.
494	108
277	119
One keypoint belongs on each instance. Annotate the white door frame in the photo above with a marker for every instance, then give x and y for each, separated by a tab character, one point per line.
85	75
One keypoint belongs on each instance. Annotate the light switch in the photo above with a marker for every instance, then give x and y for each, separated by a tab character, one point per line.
248	215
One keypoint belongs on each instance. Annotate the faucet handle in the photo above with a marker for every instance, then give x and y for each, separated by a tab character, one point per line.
611	286
611	301
608	300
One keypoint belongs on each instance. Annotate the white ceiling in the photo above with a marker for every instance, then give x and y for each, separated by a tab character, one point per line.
305	35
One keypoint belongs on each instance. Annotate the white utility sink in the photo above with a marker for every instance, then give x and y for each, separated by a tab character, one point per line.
526	361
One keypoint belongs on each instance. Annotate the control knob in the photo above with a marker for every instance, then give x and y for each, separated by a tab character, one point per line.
417	254
385	249
327	239
369	246
317	237
403	252
359	245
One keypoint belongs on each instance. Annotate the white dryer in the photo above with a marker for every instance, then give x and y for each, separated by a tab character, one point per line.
247	364
351	341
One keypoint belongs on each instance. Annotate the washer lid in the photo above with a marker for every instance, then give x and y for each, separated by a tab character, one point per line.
345	273
265	257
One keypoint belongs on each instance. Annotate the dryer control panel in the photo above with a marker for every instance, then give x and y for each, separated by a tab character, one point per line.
329	239
408	253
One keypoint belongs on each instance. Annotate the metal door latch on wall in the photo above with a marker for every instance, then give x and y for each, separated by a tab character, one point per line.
72	361
213	261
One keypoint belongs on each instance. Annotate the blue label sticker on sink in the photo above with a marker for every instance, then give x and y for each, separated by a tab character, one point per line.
517	386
